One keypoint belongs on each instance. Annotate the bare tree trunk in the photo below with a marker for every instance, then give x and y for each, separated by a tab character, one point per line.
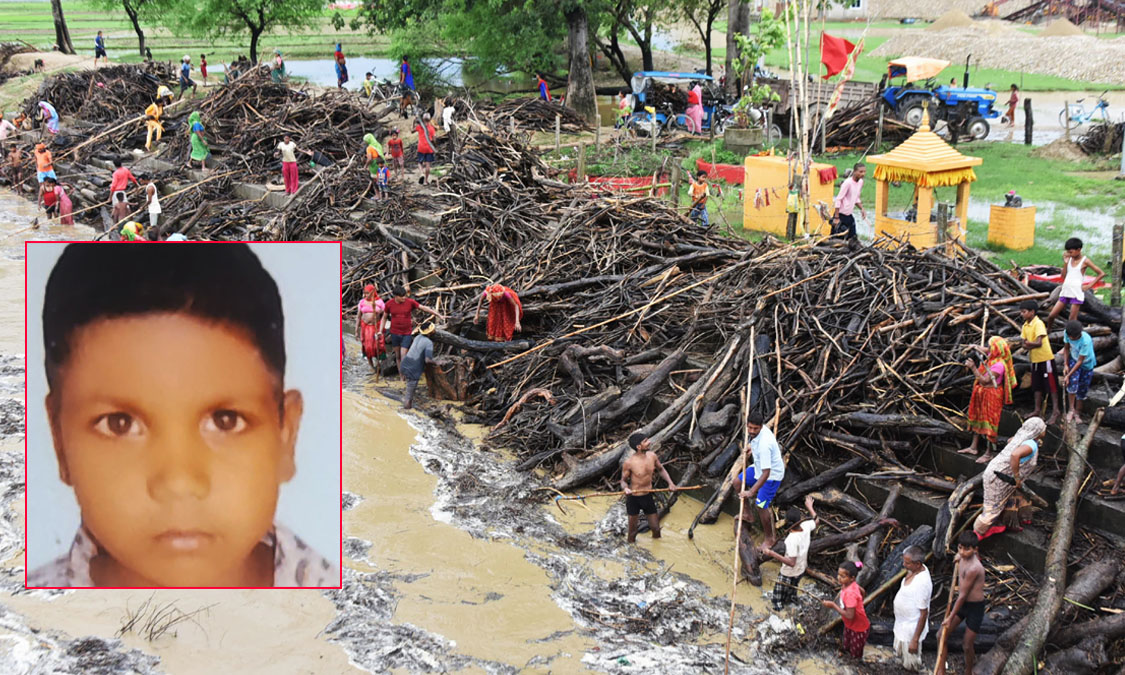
255	35
738	21
132	12
580	93
1025	656
62	34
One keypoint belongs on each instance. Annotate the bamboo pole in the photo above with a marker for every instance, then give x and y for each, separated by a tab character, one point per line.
741	501
943	645
558	122
598	132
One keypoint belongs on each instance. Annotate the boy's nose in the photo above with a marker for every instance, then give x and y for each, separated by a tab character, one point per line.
181	471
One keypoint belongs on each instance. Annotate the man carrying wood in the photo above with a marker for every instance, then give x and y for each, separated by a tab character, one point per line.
636	481
766	473
970	599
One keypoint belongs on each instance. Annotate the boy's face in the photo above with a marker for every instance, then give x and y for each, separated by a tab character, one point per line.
1027	314
175	455
965	553
1074	252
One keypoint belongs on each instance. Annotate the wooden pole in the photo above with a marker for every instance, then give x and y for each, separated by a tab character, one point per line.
943	647
582	162
1028	121
674	194
1118	235
558	123
1066	120
741	501
598	131
879	130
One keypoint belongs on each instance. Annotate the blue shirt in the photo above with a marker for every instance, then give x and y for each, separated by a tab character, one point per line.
1034	450
185	72
543	93
407	76
1083	346
99	42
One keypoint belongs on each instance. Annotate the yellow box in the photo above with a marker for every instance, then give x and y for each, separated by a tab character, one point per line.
1012	228
771	174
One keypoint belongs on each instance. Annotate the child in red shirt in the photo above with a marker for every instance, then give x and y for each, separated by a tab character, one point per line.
398	159
856	625
426	133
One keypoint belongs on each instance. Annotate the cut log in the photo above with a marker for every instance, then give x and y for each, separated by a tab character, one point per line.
792	493
946	522
871	555
846	503
1088	584
452	340
590	405
1083	659
1050	596
911	424
1111	626
873	443
834	540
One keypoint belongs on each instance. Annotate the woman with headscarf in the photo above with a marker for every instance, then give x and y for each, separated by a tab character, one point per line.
341	66
1006	472
372	150
50	116
992	390
368	322
199	149
695	108
504	312
277	73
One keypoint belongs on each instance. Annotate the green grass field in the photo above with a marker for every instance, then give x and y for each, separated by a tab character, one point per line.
31	21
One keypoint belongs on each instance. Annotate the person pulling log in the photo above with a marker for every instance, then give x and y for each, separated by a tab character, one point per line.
995	379
969	605
154	112
504	312
636	481
1005	474
766	474
796	558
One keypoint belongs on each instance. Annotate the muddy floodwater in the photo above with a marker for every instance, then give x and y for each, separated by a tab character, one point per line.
454	562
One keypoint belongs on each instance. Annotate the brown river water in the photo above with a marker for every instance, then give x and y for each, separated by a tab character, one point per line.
453	563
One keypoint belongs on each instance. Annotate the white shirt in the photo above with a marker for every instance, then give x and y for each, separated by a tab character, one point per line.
288	151
176	236
797	546
447	117
910	600
154	205
767	454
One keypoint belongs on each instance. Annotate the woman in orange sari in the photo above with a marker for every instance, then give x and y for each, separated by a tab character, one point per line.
991	391
504	312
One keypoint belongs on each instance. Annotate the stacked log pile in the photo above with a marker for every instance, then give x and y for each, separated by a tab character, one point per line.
103	95
533	114
857	127
1102	138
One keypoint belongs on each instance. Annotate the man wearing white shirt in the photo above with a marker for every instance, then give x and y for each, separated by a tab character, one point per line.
764	476
796	558
912	609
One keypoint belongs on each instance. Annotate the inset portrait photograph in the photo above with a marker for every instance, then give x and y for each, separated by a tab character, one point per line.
183	415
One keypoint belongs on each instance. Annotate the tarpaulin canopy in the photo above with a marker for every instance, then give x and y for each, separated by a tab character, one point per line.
915	68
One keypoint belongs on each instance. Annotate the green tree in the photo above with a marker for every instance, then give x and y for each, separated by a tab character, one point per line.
702	15
147	11
217	18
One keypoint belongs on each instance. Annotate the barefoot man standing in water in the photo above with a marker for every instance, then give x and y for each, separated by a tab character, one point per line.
970	599
636	480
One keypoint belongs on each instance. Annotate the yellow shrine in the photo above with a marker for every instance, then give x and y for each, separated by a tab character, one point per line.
928	162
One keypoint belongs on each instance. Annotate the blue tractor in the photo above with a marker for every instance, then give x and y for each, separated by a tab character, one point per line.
962	106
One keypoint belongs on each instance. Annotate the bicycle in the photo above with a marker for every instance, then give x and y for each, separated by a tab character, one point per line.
1077	115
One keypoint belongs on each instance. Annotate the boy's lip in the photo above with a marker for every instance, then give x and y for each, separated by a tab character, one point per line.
184	541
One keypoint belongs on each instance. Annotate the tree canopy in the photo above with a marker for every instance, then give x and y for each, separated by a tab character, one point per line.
216	18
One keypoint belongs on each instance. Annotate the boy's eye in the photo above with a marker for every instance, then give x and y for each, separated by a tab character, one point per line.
226	421
116	425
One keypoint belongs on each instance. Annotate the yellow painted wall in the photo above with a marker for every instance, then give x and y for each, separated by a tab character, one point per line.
773	173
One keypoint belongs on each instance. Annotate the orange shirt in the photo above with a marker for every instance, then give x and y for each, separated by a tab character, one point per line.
43	161
698	193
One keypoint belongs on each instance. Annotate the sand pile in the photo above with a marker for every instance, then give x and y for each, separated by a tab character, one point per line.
929	11
1060	27
952	19
1060	148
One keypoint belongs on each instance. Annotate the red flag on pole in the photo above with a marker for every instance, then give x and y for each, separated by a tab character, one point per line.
834	53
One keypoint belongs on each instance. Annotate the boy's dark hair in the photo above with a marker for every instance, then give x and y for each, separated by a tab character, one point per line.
635	439
400	290
702	173
1073	329
792	516
755	417
968	539
117	163
223	283
1014	87
852	569
858	166
1074	243
1029	305
367	74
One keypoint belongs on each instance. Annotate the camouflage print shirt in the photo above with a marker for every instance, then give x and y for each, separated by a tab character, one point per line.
295	563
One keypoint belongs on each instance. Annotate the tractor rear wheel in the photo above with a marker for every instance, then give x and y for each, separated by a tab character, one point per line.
978	128
911	109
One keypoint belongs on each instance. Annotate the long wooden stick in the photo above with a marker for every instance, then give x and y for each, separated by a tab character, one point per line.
943	647
741	501
635	492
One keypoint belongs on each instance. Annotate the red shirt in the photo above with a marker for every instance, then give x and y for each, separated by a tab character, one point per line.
395	145
400	312
423	144
121	178
693	97
49	198
852	596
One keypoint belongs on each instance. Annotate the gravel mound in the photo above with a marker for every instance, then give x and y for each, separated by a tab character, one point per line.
954	18
1061	27
929	11
1076	57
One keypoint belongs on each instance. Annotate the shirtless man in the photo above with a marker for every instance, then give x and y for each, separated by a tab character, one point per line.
636	480
970	598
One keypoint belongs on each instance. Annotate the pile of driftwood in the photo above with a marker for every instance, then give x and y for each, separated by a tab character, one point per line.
857	127
103	95
1102	138
533	114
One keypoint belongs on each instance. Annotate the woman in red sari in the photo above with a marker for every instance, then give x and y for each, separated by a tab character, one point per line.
369	320
991	391
504	312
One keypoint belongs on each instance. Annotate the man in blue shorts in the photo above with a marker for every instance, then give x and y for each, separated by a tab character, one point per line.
766	474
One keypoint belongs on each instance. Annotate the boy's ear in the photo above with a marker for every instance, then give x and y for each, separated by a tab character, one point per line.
51	403
293	405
